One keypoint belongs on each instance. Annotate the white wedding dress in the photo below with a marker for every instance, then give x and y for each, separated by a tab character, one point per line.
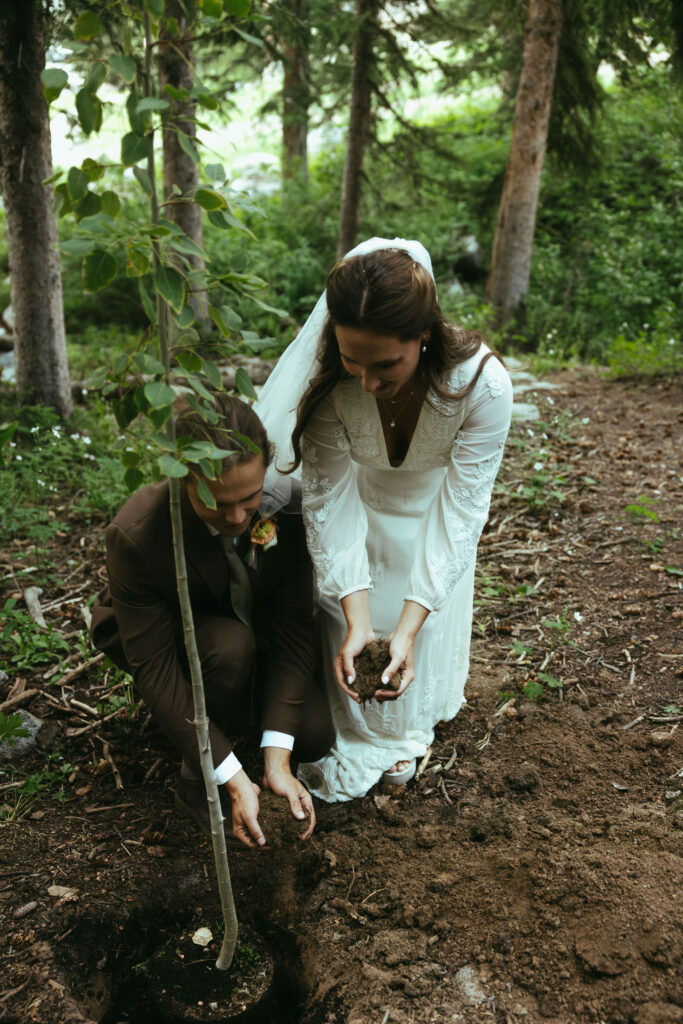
408	532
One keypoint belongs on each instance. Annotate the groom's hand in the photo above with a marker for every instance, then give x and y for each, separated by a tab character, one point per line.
245	809
278	778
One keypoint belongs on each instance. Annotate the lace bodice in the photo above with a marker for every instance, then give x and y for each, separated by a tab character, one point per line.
448	473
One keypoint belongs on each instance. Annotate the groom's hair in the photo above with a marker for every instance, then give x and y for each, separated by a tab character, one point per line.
228	423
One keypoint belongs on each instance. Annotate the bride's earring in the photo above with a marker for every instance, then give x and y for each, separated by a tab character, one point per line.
424	347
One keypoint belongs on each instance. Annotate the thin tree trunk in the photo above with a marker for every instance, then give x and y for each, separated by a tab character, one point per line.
201	721
176	58
359	123
511	258
296	94
25	153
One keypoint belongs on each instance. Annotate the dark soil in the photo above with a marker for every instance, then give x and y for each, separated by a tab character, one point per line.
533	873
181	981
369	666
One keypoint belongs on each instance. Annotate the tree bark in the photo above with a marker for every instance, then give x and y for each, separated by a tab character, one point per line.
176	63
511	258
296	93
359	123
25	153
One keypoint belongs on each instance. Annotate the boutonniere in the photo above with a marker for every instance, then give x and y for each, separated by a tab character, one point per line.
263	534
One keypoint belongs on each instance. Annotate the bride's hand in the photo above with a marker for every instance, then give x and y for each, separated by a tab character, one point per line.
356	639
401	651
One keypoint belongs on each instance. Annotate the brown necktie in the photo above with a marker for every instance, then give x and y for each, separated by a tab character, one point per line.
240	588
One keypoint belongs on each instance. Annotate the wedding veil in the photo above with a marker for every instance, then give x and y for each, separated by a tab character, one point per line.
282	392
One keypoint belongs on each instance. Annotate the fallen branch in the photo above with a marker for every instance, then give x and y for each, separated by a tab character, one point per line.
423	764
31	595
111	762
80	669
18	698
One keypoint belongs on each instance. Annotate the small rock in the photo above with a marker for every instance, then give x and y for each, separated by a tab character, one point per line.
202	937
467	981
21	745
660	738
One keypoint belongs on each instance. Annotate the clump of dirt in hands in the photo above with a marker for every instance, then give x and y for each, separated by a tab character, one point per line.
281	829
369	666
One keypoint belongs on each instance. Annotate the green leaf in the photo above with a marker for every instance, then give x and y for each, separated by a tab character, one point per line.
550	680
244	385
155	7
673	571
88	206
197	385
77	183
240	8
169	284
144	179
254	40
133	478
92	169
160	416
268	309
212	8
231	318
185	317
138	122
125	410
96	75
99	270
216	172
54	80
225	219
134	148
88	109
159	394
212	373
532	690
171	467
111	204
177	94
131	459
77	246
124	67
87	25
152	103
137	262
188	147
127	39
186	245
148	303
205	494
207	101
208	199
189	361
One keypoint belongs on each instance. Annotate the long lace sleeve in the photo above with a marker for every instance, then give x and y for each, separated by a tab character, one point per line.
336	524
452	524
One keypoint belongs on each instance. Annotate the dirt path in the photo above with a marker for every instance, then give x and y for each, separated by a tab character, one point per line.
532	873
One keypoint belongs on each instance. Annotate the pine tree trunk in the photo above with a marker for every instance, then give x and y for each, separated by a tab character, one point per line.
296	94
511	258
25	153
359	123
176	58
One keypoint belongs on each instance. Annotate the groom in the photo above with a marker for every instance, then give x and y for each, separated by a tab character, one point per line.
251	590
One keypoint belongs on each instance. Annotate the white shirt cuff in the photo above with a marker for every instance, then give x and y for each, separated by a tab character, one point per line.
353	590
273	738
227	769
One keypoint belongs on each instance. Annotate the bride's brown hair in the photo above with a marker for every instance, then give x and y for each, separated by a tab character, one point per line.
386	291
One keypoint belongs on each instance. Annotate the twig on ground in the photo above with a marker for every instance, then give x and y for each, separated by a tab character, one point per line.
151	772
108	807
442	787
111	762
93	725
75	672
631	724
31	599
85	707
423	763
18	698
451	760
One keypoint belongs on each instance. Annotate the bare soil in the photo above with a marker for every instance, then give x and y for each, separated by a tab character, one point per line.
532	873
369	666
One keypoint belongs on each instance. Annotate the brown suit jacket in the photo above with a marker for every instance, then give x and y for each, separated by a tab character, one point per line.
136	619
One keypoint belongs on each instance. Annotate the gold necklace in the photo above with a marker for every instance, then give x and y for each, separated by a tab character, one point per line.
393	416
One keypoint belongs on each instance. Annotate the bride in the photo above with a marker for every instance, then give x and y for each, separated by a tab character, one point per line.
398	420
